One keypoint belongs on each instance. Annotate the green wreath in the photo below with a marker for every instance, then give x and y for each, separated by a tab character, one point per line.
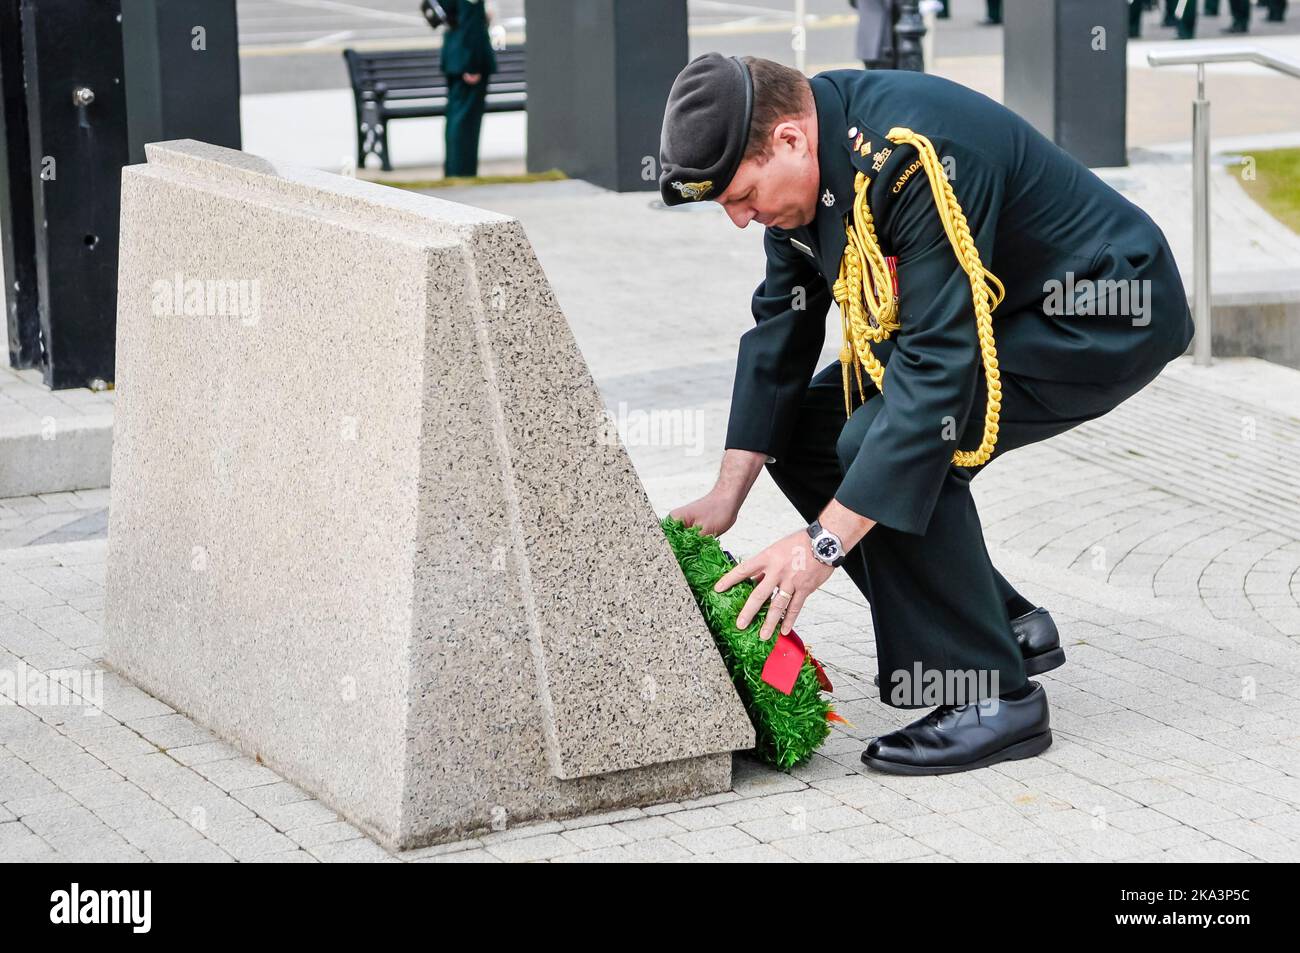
788	728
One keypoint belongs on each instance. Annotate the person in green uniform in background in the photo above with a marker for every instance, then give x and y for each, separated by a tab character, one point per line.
467	60
994	8
1240	10
1135	10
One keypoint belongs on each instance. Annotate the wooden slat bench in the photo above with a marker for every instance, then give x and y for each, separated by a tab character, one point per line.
406	84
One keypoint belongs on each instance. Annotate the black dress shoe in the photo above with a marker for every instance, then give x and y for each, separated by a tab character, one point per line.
1039	642
956	738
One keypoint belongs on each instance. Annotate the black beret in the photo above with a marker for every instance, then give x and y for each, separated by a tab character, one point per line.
706	126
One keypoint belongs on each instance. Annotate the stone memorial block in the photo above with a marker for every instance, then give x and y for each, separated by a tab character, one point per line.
370	521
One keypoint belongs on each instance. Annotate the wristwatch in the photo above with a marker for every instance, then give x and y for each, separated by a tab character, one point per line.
826	546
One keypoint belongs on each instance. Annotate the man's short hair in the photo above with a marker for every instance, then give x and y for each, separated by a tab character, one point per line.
780	94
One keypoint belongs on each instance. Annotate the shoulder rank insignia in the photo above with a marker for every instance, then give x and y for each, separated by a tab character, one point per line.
878	161
693	190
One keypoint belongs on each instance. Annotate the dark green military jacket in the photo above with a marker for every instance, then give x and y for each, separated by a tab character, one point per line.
468	48
1040	220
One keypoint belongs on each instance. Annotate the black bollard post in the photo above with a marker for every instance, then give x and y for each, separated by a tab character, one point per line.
907	34
1065	70
599	73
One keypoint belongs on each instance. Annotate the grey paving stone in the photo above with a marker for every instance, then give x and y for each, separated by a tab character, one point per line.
359	851
297	815
710	840
613	854
316	835
538	847
817	848
478	856
597	837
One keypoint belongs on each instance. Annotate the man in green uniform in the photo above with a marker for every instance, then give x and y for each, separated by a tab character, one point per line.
1240	10
1181	14
467	60
919	207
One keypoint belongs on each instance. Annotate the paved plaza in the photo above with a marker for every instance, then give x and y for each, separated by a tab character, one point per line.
1165	538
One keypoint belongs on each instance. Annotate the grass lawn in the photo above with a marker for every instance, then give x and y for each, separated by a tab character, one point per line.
422	185
1277	185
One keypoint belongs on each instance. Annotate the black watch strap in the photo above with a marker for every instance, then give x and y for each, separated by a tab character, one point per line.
816	529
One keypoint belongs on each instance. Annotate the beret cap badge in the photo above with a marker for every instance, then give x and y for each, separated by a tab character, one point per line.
693	190
705	129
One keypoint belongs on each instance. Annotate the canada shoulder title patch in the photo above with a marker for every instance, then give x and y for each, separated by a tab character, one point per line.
907	174
693	190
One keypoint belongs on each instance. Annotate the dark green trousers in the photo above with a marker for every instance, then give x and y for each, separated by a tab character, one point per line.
1186	24
994	8
465	103
1240	10
936	599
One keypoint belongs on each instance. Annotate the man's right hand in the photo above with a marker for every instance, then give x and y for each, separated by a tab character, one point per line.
714	513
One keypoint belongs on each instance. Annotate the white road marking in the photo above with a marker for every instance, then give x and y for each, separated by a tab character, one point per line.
356	10
330	38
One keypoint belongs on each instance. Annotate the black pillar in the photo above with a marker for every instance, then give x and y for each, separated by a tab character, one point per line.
1064	70
103	77
17	218
182	72
76	107
599	72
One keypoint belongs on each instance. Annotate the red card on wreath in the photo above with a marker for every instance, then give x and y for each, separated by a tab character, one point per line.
781	669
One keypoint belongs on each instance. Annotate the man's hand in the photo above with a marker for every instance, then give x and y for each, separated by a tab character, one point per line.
714	513
788	564
471	78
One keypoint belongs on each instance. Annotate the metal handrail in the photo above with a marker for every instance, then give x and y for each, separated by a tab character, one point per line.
1201	168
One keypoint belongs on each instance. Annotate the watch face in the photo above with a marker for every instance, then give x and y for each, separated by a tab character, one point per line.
826	547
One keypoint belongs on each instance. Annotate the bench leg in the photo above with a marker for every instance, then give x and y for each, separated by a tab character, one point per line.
383	146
